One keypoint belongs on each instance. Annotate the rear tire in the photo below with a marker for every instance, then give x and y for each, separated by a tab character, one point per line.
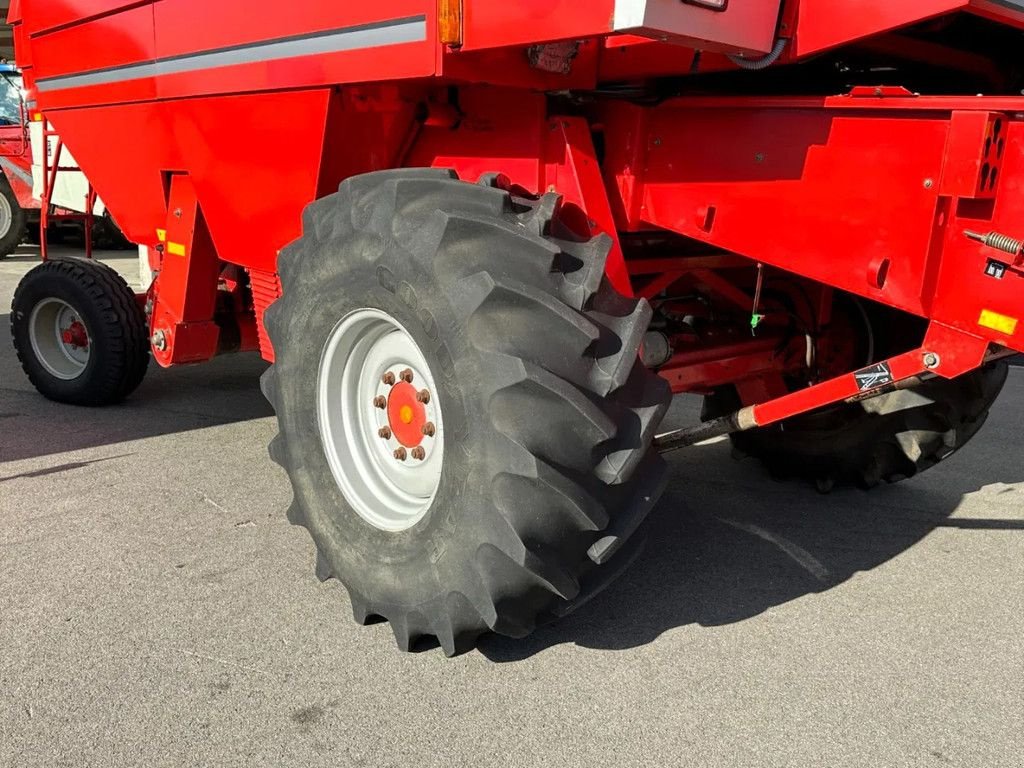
12	219
890	437
546	413
79	332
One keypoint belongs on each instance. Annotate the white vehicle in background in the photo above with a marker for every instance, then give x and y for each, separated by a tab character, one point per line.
71	187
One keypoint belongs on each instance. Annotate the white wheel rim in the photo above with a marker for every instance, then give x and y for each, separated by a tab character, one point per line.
366	350
6	216
59	339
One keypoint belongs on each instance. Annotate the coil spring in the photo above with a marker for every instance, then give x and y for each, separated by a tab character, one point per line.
999	241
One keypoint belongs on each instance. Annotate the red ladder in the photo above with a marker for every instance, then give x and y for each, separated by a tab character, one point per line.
48	211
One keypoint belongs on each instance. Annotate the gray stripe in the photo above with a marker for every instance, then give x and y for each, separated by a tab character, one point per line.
350	39
17	170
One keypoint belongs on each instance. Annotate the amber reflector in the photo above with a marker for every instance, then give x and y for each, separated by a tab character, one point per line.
449	20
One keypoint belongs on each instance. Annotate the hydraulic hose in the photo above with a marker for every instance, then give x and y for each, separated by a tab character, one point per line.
765	61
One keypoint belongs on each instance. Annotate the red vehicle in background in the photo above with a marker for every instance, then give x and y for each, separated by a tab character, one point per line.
504	234
18	207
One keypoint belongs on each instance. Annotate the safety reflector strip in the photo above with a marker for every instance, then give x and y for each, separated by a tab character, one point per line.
161	235
997	322
176	249
412	29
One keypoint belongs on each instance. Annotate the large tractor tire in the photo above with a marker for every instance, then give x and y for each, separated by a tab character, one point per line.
463	415
890	437
79	332
12	219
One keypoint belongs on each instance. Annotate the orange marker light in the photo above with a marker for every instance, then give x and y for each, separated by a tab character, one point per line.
449	22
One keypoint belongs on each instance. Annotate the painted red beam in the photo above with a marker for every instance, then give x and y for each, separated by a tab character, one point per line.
707	367
686	263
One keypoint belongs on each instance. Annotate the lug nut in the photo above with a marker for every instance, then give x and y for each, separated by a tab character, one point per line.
406	375
380	402
388	378
400	454
418	453
428	429
384	432
423	396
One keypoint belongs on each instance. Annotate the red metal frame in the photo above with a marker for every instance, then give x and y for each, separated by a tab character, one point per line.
869	193
47	210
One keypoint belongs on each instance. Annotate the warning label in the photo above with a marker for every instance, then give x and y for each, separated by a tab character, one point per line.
873	376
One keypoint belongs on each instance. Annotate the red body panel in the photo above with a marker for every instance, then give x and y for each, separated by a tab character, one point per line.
743	26
493	25
42	15
267	189
123	38
823	24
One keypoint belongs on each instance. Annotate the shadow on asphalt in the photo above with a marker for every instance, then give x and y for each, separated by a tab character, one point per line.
222	391
728	543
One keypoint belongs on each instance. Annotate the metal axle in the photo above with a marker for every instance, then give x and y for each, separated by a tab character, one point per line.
740	421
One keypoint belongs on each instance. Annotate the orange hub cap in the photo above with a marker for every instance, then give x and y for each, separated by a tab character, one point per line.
406	415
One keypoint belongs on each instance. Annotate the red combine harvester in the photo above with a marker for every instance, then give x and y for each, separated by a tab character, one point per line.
504	234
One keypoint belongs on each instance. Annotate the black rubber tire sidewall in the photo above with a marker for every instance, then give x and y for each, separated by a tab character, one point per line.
12	239
547	413
415	559
854	444
108	338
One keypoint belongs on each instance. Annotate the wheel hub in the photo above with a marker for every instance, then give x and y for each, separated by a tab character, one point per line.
75	335
380	422
406	416
59	338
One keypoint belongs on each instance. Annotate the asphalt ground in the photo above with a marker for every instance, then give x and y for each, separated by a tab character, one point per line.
156	609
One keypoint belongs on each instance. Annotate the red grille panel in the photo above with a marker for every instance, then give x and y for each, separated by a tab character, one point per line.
266	288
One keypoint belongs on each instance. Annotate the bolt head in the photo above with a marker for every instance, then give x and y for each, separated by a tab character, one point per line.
380	402
429	429
384	432
931	360
406	375
423	396
388	378
418	453
928	183
159	340
400	454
